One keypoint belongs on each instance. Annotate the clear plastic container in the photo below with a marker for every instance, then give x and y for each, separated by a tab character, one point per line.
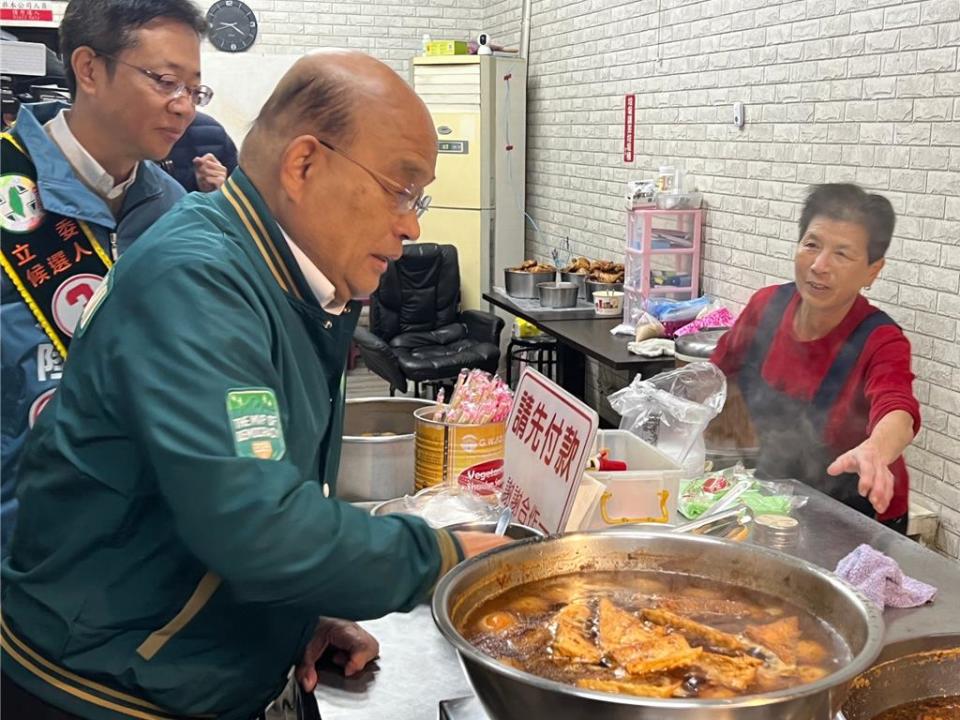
646	492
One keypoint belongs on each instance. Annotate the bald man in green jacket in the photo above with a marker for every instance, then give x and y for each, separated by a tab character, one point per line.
176	544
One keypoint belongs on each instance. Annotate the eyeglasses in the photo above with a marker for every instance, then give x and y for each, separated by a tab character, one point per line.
170	86
409	199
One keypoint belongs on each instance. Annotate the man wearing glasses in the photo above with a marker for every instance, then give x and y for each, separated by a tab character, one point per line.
76	189
189	458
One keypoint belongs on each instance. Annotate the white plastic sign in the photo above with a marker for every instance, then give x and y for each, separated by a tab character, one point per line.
550	434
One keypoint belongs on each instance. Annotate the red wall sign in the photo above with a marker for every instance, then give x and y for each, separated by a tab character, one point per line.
26	15
629	123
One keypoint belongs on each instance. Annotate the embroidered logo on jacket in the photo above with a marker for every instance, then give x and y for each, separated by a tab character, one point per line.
255	420
20	208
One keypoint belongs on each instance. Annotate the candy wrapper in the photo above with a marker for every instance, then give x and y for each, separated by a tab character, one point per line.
478	398
763	498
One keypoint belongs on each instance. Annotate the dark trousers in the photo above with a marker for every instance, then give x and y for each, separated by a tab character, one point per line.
17	704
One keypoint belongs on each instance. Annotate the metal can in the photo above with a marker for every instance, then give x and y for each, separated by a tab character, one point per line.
776	531
470	456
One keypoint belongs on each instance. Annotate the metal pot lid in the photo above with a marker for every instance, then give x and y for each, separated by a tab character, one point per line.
700	344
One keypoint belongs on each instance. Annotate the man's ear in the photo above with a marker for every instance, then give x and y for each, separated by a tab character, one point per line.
86	69
298	165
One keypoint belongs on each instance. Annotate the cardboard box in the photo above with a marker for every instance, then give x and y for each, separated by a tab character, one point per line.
447	47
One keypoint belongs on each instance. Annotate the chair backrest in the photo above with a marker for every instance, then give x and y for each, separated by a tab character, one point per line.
419	292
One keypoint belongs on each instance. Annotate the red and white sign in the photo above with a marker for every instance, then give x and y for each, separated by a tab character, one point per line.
549	437
71	298
629	126
37	406
26	11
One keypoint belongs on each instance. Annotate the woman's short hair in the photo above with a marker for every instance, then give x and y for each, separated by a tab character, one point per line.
851	203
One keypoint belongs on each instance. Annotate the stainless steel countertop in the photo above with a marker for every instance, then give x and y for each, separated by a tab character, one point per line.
417	668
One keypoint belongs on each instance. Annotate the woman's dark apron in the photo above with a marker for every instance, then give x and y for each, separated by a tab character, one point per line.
791	431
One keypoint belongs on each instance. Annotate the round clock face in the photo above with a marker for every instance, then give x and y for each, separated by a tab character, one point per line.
232	26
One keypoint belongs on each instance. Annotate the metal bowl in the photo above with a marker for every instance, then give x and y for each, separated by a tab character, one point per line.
558	295
367	450
592	286
507	693
521	284
914	669
514	530
580	279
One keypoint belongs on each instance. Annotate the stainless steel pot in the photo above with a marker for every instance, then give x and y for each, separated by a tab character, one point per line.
914	669
507	693
524	284
374	466
592	286
579	279
558	294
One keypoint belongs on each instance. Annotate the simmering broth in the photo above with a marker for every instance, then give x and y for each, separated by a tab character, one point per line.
944	708
654	634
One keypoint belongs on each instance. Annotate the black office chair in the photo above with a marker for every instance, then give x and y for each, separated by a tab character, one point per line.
417	330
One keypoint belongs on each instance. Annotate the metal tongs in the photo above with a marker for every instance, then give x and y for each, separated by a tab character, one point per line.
725	523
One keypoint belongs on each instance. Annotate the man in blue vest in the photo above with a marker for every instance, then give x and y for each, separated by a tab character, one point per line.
78	188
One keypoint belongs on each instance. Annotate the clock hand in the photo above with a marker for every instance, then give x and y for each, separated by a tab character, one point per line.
234	26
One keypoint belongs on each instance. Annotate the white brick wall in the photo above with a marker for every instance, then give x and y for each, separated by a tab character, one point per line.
836	90
390	30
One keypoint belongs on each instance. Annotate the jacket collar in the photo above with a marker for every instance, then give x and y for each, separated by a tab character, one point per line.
253	213
60	189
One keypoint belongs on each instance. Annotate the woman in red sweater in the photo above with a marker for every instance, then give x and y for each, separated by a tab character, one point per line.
825	375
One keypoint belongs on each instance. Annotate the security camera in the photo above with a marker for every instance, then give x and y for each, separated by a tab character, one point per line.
483	43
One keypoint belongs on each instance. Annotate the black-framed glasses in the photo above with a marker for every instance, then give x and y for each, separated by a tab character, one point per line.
409	199
170	86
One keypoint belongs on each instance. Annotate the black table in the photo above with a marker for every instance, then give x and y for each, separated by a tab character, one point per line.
579	339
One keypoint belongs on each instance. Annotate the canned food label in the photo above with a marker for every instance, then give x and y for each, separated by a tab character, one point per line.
483	478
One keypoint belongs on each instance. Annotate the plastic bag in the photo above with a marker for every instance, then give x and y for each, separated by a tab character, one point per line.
763	498
671	410
721	318
674	314
441	506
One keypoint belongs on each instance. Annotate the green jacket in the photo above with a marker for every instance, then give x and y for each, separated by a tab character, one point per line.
174	545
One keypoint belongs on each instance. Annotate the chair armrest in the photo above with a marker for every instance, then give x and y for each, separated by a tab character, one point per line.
482	326
379	357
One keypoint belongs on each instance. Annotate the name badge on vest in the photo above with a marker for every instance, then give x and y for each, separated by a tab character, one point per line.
54	261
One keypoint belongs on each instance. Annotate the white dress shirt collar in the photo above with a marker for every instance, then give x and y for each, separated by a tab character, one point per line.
83	163
322	288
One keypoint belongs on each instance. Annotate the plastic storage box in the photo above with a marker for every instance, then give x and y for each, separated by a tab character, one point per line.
662	258
646	492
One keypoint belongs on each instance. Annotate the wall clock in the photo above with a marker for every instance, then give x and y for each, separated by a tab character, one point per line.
232	26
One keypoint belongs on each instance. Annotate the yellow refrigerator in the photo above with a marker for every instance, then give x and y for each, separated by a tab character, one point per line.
478	104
